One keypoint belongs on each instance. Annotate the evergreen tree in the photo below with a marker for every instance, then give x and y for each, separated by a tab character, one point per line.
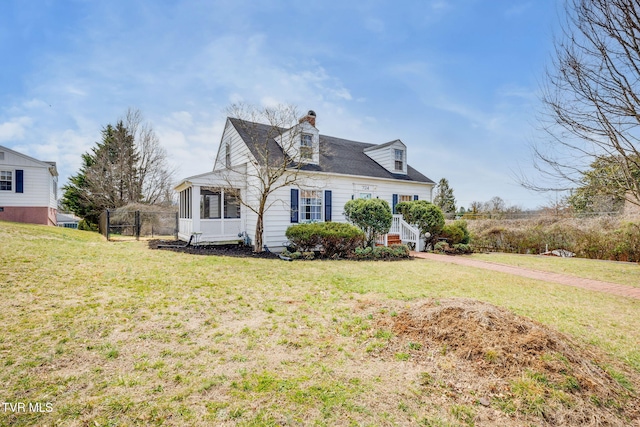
444	197
127	166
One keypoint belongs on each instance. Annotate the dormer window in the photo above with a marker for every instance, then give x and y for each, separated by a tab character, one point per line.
399	159
306	146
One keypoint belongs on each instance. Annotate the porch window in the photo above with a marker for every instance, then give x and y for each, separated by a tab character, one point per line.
310	205
210	204
6	180
217	203
231	206
185	203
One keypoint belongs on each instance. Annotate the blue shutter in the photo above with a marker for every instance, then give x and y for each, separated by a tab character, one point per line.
327	205
394	202
294	205
19	181
415	197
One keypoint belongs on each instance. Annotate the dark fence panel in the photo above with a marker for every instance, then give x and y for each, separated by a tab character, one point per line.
117	223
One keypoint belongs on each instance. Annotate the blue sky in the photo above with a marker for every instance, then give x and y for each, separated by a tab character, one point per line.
456	80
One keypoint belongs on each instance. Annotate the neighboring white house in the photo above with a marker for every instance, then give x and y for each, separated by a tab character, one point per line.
67	220
28	188
329	172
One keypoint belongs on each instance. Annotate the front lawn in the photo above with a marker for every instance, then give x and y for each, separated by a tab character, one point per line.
113	333
623	273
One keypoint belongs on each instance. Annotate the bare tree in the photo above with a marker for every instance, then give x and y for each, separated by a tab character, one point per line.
154	178
592	98
276	159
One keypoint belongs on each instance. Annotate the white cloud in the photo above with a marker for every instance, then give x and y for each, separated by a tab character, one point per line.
517	9
15	128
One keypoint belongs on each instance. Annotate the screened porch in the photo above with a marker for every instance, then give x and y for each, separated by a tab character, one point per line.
211	214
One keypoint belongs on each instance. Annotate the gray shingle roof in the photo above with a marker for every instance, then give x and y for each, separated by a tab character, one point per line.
337	155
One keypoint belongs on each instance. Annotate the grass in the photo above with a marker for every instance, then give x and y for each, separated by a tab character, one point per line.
111	333
623	273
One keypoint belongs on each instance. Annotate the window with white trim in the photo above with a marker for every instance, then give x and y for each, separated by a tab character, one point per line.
210	204
399	159
231	205
405	198
306	146
310	205
6	180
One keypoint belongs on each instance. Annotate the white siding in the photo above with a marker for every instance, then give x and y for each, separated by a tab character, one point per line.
342	189
37	183
290	142
385	156
240	153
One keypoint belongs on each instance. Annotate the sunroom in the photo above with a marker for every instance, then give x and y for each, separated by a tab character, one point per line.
210	209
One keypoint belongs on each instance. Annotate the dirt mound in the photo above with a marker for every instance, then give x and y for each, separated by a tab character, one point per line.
512	364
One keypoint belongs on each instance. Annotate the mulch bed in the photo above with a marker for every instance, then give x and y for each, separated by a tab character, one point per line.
233	250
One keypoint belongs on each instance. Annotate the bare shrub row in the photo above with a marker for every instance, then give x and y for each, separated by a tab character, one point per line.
608	238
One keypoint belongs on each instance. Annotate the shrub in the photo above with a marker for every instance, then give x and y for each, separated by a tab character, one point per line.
305	237
441	247
335	239
373	216
458	248
456	232
462	248
425	215
389	253
87	226
596	238
339	239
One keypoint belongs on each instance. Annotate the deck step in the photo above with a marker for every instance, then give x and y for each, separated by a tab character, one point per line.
394	239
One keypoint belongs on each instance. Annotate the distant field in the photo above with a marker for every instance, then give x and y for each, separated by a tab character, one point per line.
112	333
624	273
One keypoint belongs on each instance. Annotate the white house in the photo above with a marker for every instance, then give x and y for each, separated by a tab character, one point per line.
324	173
28	188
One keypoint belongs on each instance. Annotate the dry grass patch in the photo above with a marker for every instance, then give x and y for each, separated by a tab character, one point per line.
506	368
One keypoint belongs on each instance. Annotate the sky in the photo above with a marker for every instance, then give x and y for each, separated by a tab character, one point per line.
458	81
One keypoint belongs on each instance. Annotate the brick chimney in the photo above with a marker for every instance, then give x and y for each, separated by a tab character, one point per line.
310	118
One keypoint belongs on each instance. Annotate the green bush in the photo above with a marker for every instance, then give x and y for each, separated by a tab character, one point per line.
456	232
339	239
462	248
85	225
425	215
389	253
336	240
441	247
373	216
304	237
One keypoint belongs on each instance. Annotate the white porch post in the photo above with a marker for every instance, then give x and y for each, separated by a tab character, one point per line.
222	207
195	209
